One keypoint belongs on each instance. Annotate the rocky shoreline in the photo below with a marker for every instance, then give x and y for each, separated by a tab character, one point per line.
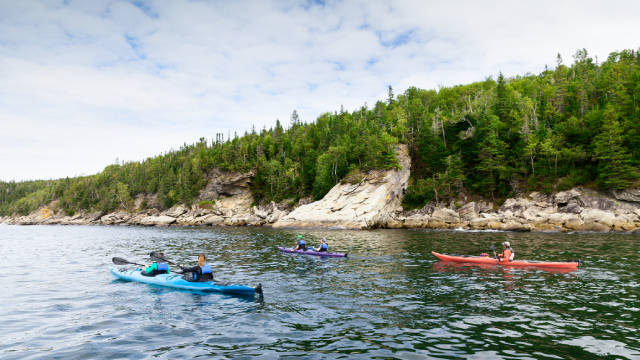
373	202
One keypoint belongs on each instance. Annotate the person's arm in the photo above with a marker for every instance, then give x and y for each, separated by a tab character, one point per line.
149	269
194	269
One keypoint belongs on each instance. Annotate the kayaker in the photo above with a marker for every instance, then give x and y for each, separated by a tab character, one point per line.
202	271
507	253
323	245
156	268
300	244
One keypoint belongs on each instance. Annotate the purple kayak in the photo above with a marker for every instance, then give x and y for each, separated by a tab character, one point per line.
310	252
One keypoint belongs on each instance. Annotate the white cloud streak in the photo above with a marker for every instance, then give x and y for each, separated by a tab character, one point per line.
84	82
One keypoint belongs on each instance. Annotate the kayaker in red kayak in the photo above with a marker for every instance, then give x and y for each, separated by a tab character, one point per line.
323	246
300	244
201	272
507	253
156	268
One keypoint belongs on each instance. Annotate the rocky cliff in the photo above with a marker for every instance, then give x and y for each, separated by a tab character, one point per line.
367	204
372	202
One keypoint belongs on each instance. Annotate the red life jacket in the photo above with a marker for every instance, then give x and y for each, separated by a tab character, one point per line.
506	255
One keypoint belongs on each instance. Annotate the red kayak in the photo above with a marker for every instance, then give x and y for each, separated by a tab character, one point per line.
492	261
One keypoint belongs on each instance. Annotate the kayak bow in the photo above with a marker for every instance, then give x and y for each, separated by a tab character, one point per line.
492	261
177	282
310	252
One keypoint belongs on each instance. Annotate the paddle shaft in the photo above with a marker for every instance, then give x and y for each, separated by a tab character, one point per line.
121	261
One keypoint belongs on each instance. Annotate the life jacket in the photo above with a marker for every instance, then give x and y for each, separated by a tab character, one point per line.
162	268
507	254
204	269
324	247
301	242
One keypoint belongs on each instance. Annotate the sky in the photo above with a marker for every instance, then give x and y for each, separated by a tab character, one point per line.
85	82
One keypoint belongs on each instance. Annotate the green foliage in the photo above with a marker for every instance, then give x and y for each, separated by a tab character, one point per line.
206	204
578	123
614	167
304	159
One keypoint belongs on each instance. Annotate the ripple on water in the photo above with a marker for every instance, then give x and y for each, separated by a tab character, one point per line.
391	298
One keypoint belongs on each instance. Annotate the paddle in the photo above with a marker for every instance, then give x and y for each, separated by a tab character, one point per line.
159	258
494	252
121	261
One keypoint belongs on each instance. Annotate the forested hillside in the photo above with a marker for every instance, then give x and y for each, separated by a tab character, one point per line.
577	124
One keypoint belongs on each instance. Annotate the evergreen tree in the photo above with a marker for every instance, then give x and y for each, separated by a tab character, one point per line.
615	170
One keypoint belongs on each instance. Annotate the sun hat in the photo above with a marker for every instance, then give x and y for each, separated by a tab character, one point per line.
506	243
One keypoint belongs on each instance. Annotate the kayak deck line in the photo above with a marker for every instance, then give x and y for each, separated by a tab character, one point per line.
178	282
493	261
311	252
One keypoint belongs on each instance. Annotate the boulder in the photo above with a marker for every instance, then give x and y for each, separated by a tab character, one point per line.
436	224
468	211
632	195
597	216
394	224
479	223
211	220
261	213
558	219
573	223
416	222
564	197
515	206
446	216
275	216
177	211
157	220
572	208
597	202
515	226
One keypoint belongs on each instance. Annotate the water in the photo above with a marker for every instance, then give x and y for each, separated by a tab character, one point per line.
390	298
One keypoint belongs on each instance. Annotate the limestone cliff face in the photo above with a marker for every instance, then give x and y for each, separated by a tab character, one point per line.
365	205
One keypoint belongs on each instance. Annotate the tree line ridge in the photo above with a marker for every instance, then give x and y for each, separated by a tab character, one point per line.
576	124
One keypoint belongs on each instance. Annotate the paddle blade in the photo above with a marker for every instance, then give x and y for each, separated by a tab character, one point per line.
157	257
120	261
492	247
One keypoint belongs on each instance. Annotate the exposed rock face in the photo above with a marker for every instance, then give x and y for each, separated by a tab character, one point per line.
632	195
368	204
227	184
374	202
469	211
564	197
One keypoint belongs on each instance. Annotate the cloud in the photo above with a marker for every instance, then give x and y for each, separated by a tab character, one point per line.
86	82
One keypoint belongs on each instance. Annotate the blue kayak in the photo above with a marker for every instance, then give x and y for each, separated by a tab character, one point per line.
176	281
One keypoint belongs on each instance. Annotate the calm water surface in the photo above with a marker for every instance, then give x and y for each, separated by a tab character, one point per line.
390	299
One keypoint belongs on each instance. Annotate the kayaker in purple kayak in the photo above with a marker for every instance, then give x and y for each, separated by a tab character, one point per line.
323	246
300	244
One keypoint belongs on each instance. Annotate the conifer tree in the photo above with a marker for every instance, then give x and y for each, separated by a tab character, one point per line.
615	170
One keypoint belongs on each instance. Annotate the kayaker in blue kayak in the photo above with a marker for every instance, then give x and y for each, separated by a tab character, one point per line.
156	268
300	244
201	272
323	246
